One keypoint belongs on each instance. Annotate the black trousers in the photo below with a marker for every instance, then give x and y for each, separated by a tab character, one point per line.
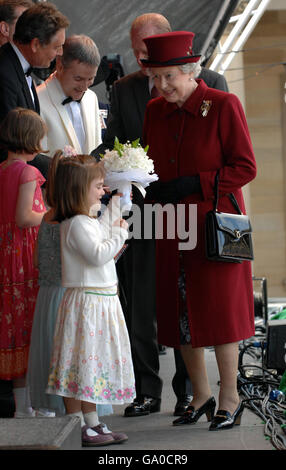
181	383
7	404
136	276
137	291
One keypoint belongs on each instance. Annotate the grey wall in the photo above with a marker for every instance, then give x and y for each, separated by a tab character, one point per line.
108	22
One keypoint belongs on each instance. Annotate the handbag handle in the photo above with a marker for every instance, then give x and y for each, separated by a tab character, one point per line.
231	196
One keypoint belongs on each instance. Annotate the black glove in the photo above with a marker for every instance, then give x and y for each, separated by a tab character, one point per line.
163	192
175	190
187	185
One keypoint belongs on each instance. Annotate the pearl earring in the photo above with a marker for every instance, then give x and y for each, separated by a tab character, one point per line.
190	79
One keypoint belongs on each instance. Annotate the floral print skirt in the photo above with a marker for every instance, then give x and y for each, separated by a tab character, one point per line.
91	359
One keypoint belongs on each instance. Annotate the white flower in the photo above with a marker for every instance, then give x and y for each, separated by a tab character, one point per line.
125	164
126	157
69	151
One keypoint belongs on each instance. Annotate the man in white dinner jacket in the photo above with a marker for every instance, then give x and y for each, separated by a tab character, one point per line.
69	108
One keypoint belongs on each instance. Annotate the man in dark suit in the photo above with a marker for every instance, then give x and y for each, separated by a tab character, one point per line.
35	44
10	10
136	268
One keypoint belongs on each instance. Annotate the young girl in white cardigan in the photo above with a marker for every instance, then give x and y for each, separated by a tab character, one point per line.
91	361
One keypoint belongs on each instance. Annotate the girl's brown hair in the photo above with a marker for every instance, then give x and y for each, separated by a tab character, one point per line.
50	196
70	184
22	131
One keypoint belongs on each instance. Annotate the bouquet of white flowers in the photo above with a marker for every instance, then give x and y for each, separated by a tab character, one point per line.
126	164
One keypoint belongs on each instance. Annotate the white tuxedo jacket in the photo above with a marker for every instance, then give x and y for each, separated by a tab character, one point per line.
60	128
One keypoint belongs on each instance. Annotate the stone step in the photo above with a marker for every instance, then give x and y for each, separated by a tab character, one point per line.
62	433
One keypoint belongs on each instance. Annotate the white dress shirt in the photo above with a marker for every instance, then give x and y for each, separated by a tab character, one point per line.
25	66
74	111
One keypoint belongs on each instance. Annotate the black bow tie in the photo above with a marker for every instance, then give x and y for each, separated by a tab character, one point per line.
69	100
29	71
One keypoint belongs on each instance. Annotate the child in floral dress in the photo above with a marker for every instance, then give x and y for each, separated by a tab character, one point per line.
91	361
21	211
48	261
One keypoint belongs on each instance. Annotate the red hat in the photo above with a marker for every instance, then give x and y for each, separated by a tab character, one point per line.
173	48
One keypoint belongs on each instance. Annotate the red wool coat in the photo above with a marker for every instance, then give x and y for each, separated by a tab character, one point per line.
184	141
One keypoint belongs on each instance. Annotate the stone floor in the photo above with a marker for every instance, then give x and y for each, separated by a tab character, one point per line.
155	431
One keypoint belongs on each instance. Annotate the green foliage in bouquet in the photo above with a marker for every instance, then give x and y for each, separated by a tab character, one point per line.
120	148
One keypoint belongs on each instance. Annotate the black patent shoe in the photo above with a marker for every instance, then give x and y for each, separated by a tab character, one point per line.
143	406
191	416
182	405
224	420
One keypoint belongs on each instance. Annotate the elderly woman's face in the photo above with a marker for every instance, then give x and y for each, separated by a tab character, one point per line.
173	84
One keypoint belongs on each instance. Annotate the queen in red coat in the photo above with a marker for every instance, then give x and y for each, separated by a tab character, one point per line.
193	131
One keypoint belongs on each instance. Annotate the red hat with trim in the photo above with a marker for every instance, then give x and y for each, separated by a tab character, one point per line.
166	49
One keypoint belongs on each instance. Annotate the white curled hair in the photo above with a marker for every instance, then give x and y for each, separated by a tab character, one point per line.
194	67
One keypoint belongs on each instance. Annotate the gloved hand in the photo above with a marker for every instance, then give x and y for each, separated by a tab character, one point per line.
174	190
187	185
163	192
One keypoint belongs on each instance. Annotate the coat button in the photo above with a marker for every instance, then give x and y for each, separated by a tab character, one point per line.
172	160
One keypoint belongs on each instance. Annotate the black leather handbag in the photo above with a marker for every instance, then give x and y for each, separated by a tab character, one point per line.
228	236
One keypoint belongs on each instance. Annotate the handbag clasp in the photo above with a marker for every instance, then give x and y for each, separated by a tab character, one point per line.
237	234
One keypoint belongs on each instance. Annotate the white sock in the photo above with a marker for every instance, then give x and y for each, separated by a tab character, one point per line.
22	402
91	419
28	398
80	415
89	431
20	398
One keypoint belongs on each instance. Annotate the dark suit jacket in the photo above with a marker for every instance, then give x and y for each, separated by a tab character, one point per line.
129	97
14	89
15	92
